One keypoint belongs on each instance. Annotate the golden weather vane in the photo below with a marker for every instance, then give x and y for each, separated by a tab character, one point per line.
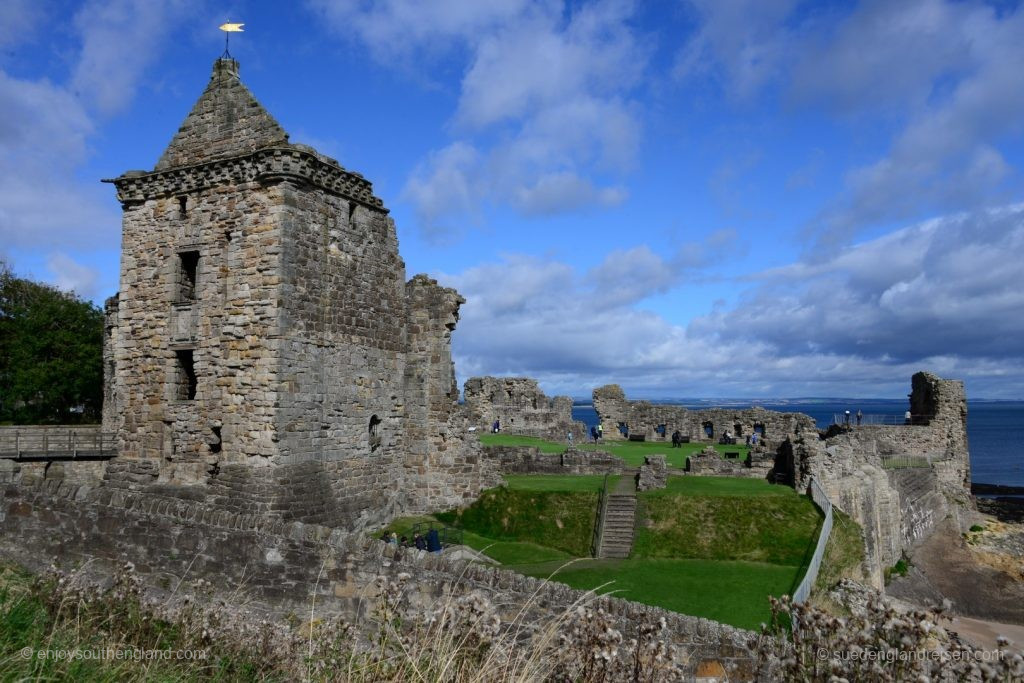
228	29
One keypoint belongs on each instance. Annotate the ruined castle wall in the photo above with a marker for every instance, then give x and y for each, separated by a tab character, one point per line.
444	464
282	568
227	320
898	508
111	414
520	407
342	357
643	417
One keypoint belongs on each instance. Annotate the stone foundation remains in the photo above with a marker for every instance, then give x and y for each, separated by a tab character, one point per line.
530	460
621	419
520	407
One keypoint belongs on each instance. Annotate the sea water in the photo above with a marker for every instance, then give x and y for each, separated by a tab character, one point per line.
995	429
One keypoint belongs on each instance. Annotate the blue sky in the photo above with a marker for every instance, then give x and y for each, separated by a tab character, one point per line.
711	198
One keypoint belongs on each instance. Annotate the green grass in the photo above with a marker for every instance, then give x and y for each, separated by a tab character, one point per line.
730	592
844	553
720	486
719	518
558	519
505	552
559	482
632	452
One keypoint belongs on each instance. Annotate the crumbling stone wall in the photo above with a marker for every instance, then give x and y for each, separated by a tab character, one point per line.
268	354
530	460
519	405
897	508
282	568
653	473
643	417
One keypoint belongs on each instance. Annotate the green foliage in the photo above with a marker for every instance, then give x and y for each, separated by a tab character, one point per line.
563	520
51	354
774	525
844	552
977	527
901	568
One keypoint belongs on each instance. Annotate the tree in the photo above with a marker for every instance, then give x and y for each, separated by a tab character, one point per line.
51	354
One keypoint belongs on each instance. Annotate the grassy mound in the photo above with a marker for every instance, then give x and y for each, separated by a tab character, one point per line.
714	518
542	512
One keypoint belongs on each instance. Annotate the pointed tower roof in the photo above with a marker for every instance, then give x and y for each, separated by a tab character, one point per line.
226	121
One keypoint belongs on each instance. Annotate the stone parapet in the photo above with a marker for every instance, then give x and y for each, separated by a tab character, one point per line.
264	165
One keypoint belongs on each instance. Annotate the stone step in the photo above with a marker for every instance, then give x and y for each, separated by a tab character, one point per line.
618	525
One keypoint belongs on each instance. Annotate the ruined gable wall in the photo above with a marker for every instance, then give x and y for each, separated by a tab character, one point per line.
521	407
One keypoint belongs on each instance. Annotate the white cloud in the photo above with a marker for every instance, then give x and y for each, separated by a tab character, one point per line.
544	121
43	138
19	20
746	40
941	295
47	126
68	275
120	39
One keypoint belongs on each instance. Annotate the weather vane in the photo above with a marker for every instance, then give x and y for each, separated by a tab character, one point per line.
228	30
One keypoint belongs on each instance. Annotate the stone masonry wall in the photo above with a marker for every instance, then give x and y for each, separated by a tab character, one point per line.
280	568
267	354
530	460
897	508
643	417
521	408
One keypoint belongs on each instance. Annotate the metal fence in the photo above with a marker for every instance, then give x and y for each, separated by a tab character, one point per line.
59	442
900	462
803	591
880	419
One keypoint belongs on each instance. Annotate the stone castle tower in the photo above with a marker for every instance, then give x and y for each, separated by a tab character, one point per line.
265	351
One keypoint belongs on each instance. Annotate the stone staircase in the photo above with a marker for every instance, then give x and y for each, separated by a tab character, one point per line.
619	519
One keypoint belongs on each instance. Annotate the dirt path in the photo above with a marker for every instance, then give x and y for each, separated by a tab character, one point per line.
983	634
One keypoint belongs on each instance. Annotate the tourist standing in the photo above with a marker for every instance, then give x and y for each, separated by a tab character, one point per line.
860	415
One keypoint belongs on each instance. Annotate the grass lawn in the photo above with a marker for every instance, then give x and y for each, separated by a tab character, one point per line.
632	452
559	482
721	486
731	592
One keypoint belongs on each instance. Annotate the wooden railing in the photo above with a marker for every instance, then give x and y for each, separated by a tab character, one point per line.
56	443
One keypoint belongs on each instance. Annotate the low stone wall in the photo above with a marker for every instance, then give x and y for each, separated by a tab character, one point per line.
530	460
279	568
